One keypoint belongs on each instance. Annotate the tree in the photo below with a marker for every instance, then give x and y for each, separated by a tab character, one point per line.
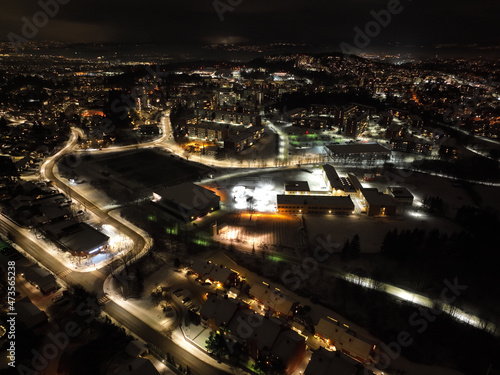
355	248
270	365
216	345
344	255
3	125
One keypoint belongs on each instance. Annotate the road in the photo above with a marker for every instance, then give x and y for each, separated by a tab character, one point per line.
148	334
94	281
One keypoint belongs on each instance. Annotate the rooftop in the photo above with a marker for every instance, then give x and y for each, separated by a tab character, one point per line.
272	298
296	186
400	192
374	197
333	177
339	202
76	237
218	308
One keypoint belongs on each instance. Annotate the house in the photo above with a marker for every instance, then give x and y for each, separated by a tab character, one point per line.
290	348
221	274
254	331
28	314
213	273
217	311
332	180
41	279
345	340
273	300
201	267
325	362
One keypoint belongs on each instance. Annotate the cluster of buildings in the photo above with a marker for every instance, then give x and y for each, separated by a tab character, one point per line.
261	336
337	199
351	119
224	122
268	330
49	212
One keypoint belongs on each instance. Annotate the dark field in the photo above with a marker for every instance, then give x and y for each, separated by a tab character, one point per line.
150	167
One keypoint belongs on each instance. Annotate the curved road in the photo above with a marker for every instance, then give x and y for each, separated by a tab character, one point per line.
94	281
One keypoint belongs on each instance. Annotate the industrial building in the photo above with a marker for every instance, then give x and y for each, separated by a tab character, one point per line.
295	204
80	239
297	188
377	203
401	195
338	186
186	201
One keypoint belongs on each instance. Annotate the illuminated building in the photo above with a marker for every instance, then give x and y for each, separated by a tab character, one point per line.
297	188
345	340
377	203
296	204
78	238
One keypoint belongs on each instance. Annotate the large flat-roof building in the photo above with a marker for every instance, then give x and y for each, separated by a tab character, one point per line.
186	201
297	188
78	238
401	195
240	139
377	203
373	151
355	183
295	204
332	180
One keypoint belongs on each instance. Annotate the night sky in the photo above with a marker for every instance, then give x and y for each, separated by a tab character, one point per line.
428	23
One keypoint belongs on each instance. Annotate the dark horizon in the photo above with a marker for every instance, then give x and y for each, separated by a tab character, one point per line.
421	29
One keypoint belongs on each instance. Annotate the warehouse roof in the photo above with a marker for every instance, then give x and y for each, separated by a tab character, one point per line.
339	202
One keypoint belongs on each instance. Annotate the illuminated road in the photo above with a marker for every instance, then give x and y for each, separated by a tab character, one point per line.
94	281
148	334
